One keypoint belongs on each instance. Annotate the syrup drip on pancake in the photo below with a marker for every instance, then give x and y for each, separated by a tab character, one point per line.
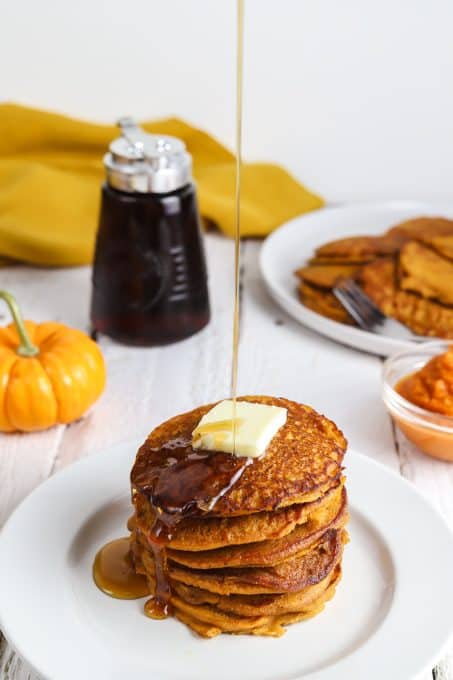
179	482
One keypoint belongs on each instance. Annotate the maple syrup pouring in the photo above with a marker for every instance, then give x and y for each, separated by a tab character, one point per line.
237	225
181	482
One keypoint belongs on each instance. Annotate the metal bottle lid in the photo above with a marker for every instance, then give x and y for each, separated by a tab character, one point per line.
145	163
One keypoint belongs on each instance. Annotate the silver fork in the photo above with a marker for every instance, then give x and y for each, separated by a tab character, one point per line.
368	316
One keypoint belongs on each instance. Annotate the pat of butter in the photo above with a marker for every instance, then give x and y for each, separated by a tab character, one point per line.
255	426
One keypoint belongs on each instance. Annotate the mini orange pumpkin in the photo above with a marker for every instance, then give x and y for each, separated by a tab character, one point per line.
49	373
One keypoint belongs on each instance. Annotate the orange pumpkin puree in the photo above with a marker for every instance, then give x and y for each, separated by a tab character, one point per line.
431	387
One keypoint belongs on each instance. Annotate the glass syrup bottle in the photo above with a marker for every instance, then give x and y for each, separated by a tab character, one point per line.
149	283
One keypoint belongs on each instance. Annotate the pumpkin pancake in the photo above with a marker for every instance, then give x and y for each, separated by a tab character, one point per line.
273	626
257	605
209	616
216	532
276	626
253	605
359	249
422	227
441	244
292	575
323	302
423	271
271	551
325	276
338	261
425	317
209	621
302	461
378	281
316	285
289	576
212	622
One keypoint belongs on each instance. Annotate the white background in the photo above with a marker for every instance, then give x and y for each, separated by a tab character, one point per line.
354	96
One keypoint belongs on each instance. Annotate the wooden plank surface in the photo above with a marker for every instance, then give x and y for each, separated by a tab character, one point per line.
145	386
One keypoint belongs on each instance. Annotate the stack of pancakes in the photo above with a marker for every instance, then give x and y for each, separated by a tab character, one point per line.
407	272
269	552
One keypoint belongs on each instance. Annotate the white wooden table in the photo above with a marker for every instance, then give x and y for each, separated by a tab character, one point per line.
145	386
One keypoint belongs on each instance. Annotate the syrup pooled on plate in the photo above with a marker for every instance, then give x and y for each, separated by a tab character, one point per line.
114	572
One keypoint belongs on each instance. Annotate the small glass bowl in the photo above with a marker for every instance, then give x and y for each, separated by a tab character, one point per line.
431	432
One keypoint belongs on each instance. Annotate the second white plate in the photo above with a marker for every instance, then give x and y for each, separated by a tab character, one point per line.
290	246
390	618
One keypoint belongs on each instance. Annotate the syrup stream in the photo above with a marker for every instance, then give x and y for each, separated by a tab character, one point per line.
237	226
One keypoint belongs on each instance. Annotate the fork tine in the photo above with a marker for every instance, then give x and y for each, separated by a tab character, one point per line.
361	309
367	307
363	297
351	307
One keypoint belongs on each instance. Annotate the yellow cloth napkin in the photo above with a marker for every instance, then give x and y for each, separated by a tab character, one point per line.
51	172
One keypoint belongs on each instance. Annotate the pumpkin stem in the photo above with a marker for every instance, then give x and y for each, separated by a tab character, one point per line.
26	347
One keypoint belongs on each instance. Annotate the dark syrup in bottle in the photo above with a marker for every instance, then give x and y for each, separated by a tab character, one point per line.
149	276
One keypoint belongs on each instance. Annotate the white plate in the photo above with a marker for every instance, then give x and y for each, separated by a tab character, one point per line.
290	246
391	616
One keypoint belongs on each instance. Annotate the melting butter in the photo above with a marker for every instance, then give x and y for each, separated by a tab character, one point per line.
248	435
